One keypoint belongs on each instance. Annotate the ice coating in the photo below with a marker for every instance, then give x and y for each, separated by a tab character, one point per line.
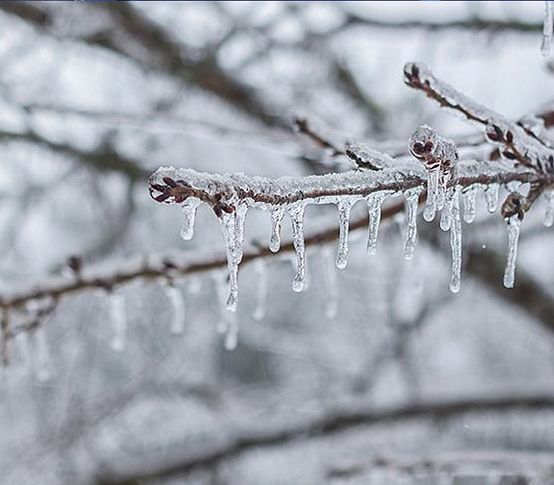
491	197
260	309
368	158
296	213
344	208
374	203
230	230
546	43
447	210
412	199
277	214
119	321
178	308
439	156
456	242
513	225
189	208
469	196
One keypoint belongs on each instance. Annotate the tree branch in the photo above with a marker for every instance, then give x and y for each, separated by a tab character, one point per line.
343	420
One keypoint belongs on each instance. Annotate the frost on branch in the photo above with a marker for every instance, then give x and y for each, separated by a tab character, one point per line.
515	144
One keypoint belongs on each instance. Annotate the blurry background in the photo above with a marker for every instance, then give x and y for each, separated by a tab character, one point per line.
94	97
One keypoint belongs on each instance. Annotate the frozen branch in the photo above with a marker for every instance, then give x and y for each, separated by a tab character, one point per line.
243	441
515	143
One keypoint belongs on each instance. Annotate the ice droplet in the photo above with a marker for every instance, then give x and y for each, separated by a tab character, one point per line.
189	208
119	321
549	212
231	233
513	225
432	192
412	199
259	312
547	29
277	214
456	242
469	196
296	212
344	207
374	203
178	308
330	275
491	197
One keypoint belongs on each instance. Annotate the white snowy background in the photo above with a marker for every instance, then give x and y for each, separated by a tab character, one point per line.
73	410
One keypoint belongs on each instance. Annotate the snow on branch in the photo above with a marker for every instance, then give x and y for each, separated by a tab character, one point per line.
515	142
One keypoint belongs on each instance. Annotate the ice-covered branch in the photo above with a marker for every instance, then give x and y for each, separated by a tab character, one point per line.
239	442
515	143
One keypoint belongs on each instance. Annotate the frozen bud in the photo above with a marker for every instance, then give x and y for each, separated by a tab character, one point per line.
423	142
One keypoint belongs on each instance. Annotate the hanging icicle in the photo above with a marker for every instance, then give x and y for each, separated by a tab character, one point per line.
547	28
344	207
412	199
277	214
447	210
513	225
178	308
230	232
456	242
330	276
491	197
430	209
189	208
260	267
119	321
469	196
228	321
374	202
296	212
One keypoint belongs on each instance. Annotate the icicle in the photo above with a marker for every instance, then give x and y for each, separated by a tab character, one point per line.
468	197
42	357
491	197
412	198
330	275
549	212
297	218
228	321
432	192
277	214
344	207
119	321
230	236
189	208
447	210
456	242
513	225
178	308
547	29
261	290
374	203
240	219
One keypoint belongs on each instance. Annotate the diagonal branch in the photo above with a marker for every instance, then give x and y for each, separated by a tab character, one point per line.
246	440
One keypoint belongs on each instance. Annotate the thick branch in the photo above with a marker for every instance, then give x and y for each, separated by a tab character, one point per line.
253	439
223	192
